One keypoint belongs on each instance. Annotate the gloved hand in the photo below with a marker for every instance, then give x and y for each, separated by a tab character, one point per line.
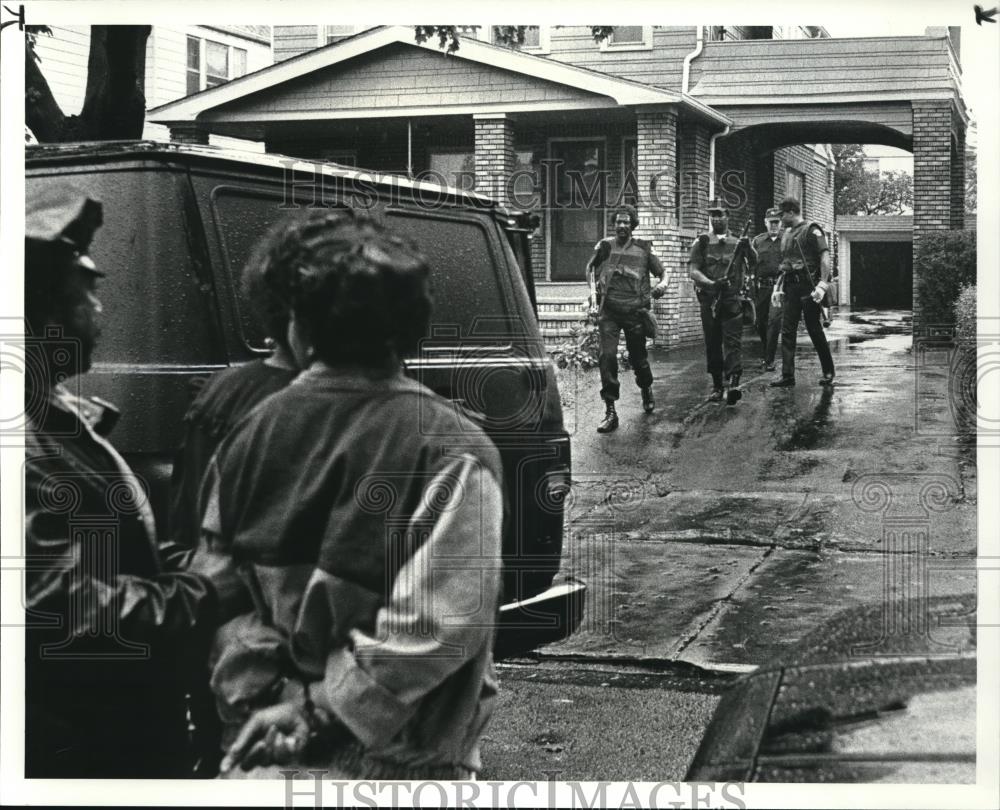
659	290
818	292
720	284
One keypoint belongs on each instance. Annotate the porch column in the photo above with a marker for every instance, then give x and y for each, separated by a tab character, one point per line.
693	156
933	194
656	135
189	133
495	155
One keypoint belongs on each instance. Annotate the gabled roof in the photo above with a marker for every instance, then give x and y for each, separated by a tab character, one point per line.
621	91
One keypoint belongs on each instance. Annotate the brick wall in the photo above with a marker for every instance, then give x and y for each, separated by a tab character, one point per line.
818	204
495	158
932	178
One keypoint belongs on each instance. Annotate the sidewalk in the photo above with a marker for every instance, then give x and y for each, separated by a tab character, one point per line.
717	536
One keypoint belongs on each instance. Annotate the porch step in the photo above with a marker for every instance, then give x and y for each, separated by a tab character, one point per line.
559	314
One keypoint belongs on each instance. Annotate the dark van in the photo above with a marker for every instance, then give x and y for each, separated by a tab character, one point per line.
180	222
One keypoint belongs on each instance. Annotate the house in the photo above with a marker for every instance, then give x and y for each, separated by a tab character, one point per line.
179	61
661	116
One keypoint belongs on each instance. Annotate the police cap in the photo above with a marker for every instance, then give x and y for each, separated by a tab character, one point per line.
716	205
62	215
773	213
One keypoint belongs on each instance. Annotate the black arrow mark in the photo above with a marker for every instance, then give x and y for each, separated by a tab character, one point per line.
986	16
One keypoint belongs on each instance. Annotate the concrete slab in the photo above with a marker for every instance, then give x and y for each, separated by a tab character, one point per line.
646	599
793	592
851	524
544	728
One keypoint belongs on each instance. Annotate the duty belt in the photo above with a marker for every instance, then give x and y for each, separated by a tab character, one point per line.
798	277
766	282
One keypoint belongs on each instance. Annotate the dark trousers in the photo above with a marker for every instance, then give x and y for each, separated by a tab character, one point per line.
768	322
723	335
798	303
610	327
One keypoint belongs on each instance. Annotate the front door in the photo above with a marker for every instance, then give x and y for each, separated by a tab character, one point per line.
577	216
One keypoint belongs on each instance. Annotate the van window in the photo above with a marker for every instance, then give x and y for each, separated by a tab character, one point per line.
156	309
468	299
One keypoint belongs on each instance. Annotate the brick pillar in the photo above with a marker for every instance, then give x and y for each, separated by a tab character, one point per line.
932	182
495	155
656	132
189	133
958	178
693	158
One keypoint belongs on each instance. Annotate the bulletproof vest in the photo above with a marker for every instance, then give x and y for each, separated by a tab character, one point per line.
716	257
624	276
795	249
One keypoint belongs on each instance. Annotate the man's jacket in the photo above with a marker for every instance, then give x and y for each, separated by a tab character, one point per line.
366	515
110	613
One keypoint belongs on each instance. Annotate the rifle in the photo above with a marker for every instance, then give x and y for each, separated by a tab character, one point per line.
739	255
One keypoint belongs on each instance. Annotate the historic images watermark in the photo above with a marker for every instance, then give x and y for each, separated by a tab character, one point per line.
310	787
315	185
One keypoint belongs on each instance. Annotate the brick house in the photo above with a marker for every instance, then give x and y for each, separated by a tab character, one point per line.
660	116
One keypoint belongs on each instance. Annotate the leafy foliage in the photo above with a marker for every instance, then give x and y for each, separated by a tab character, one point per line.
582	348
971	183
860	191
965	313
513	36
945	263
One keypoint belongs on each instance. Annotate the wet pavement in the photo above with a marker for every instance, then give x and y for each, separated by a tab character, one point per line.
716	537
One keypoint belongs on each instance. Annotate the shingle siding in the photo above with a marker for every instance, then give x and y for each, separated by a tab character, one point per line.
836	67
405	76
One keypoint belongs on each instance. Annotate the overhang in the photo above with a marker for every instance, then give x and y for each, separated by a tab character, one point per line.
491	79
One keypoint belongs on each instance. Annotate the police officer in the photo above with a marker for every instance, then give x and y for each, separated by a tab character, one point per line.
718	287
620	270
767	246
806	267
114	611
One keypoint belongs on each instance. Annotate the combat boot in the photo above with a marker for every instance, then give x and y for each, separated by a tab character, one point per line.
610	421
647	399
734	394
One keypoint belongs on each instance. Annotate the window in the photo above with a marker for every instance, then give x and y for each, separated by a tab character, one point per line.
536	38
629	38
457	168
216	63
335	33
795	186
239	62
193	65
211	63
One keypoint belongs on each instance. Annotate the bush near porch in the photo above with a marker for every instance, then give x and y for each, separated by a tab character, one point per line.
945	264
965	314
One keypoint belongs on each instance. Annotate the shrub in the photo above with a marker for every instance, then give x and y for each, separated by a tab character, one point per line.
946	262
582	348
965	314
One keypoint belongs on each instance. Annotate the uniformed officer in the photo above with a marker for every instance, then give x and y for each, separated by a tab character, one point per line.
806	268
718	286
767	245
104	693
620	269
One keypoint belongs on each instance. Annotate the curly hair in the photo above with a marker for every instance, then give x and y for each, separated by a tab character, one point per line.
630	212
360	294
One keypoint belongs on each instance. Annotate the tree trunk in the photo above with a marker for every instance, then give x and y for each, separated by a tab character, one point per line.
114	105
